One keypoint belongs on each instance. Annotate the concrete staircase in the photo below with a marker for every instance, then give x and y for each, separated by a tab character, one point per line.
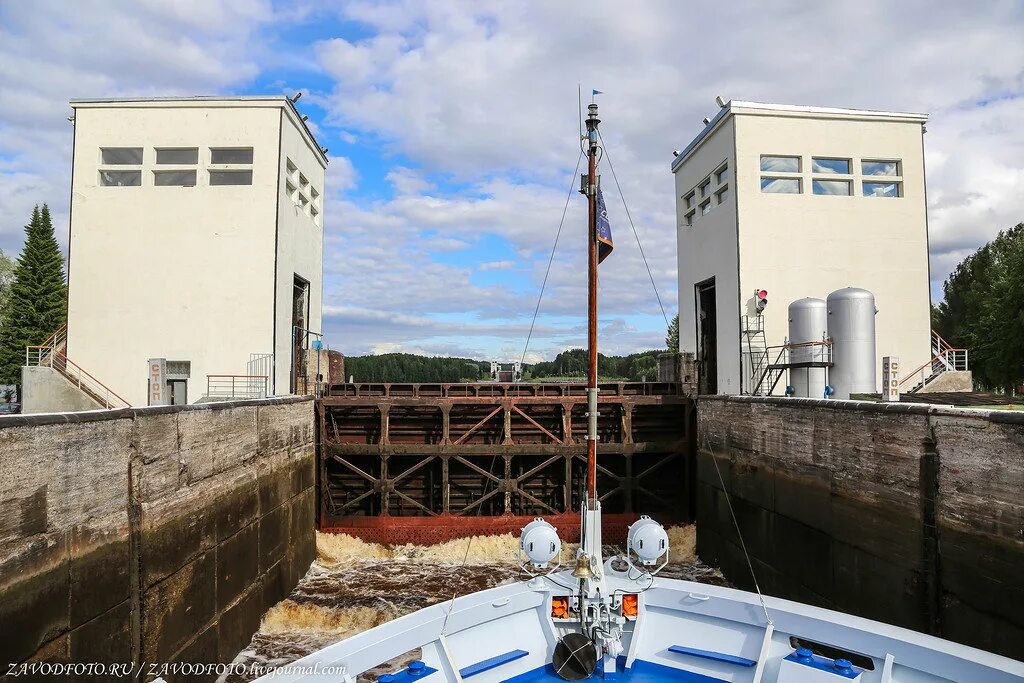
42	395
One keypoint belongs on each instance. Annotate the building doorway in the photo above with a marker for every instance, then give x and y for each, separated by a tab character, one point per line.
300	333
177	392
707	338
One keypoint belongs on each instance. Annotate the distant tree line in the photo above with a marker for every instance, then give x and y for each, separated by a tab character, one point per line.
408	367
983	311
572	364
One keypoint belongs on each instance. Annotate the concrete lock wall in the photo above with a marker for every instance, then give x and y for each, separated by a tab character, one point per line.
154	534
907	514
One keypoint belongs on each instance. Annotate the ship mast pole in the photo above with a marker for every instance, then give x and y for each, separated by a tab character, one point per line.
592	184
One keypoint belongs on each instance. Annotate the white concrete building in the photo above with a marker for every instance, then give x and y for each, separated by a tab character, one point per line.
799	201
196	237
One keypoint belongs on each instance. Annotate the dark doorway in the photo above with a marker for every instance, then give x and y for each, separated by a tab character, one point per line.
300	333
707	338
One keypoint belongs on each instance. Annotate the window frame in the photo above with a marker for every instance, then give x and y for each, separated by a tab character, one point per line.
158	150
845	181
777	172
830	173
897	162
889	180
234	164
137	171
229	172
798	179
167	171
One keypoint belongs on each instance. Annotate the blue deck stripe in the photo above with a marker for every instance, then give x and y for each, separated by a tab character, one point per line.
709	654
491	663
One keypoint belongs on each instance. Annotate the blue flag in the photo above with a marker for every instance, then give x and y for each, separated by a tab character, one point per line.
604	229
597	92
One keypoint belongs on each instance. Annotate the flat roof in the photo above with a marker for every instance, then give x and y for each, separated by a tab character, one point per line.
206	100
769	109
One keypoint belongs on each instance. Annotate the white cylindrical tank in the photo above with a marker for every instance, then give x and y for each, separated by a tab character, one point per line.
808	322
851	326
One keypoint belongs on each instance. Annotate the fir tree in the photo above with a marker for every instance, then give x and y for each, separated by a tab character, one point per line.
672	339
37	304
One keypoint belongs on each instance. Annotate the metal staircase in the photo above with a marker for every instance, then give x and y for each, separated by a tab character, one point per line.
755	353
51	354
945	358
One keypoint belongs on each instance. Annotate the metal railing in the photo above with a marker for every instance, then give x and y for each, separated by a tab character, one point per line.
52	357
236	386
814	354
945	358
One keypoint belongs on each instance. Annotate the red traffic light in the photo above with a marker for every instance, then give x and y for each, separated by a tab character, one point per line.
762	294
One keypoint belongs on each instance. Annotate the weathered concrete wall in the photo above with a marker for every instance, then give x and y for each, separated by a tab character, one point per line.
44	390
154	534
908	514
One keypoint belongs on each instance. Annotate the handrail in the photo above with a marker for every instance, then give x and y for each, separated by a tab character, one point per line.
103	386
237	386
937	357
52	338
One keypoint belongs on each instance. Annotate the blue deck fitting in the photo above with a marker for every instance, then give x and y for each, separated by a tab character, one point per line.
839	667
491	663
640	672
709	654
410	674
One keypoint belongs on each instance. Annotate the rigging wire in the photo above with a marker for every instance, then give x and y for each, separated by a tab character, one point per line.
611	166
451	605
732	513
551	259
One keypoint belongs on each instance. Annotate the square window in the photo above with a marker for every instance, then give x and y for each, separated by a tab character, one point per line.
120	178
891	168
231	155
181	156
290	167
705	208
688	218
831	187
302	201
121	156
689	200
722	174
777	164
822	165
780	185
313	194
174	178
704	187
882	189
722	194
231	177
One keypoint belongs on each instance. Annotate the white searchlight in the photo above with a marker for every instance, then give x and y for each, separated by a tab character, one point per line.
647	540
540	543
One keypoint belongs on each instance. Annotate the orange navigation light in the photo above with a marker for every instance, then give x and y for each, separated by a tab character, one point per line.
560	607
630	605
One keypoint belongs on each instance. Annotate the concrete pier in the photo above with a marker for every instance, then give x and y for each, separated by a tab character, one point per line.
905	513
154	534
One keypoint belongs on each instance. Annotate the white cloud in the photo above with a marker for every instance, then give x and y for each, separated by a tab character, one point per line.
496	265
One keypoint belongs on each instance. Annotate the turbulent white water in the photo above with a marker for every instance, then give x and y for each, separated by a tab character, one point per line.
354	586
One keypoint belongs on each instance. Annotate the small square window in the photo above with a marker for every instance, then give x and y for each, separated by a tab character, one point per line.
688	218
689	200
231	155
313	212
290	167
705	208
303	183
822	165
302	201
184	156
289	188
230	177
722	194
174	178
121	156
882	189
120	178
831	187
780	185
313	194
890	168
777	164
722	174
704	187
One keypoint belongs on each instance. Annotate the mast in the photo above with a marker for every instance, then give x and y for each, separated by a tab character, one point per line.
591	187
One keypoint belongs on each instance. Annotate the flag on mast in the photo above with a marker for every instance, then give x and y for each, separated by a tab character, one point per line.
604	229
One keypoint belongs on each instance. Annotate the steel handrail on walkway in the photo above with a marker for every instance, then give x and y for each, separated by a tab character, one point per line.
49	356
236	386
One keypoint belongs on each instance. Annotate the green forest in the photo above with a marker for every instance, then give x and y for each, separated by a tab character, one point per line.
983	311
571	364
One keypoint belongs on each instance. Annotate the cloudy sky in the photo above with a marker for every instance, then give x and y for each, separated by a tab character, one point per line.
452	132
